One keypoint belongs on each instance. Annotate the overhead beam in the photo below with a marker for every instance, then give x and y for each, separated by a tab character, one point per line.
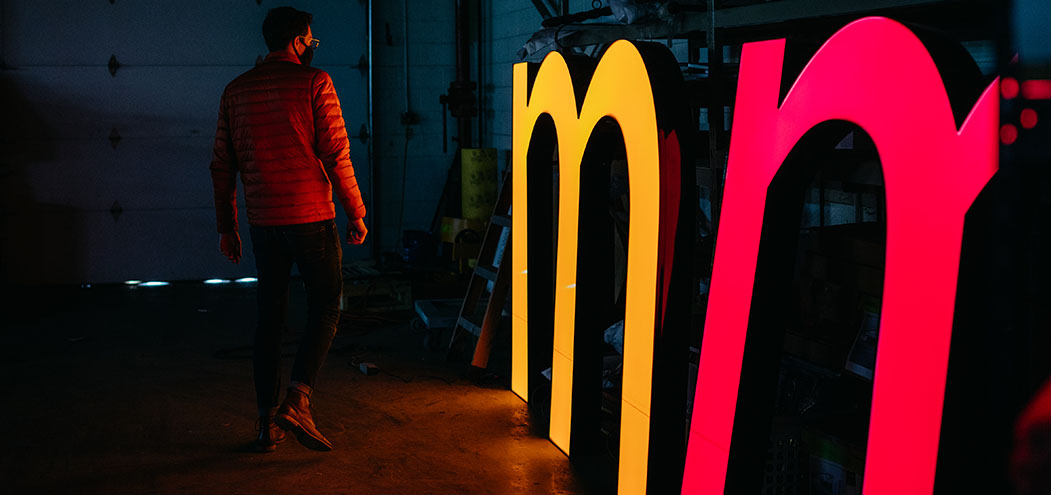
733	18
795	10
545	8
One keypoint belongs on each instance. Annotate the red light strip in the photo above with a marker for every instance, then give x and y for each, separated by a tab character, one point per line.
1036	89
1009	88
925	161
1028	118
1008	134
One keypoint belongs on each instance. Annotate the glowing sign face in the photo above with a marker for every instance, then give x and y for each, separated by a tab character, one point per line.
932	173
620	88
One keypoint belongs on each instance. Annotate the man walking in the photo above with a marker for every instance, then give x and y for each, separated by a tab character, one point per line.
281	127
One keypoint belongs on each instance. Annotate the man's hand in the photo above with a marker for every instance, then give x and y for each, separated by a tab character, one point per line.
230	245
356	231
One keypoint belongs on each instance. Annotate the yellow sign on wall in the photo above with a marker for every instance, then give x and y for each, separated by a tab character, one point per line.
478	182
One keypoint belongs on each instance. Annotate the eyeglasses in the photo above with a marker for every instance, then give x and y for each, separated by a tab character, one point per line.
314	42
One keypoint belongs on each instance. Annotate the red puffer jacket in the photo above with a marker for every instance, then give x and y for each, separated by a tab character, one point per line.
281	127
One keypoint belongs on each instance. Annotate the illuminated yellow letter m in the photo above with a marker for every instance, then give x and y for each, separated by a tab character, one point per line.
638	86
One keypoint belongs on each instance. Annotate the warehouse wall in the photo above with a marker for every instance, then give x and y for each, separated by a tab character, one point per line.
410	165
509	24
105	177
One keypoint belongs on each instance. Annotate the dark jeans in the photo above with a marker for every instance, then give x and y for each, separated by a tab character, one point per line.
315	249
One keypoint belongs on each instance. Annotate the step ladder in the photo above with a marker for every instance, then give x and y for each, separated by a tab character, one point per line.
492	276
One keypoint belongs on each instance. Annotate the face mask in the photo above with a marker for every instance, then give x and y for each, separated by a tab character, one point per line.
306	56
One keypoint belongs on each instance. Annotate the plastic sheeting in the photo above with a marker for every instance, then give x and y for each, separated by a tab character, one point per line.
625	12
632	11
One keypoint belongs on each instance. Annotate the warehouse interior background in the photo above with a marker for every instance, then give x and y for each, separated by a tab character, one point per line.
127	334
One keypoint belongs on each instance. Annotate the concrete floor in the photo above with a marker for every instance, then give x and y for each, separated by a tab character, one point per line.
117	390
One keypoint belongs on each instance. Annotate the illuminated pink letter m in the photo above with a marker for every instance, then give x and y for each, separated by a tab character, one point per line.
876	74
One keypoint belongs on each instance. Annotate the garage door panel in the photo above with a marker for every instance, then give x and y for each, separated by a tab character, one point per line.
60	103
158	32
84	102
55	32
167	101
165	245
78	32
140	173
67	246
227	33
189	32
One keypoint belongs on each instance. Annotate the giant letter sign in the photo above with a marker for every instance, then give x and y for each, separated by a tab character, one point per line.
620	88
878	75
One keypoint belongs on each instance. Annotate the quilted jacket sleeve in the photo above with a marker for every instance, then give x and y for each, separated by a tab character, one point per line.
224	172
332	146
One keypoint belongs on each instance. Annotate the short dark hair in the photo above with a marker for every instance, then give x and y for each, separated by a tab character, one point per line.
282	25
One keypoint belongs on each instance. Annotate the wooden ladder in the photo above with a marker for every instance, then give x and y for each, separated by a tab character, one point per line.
492	266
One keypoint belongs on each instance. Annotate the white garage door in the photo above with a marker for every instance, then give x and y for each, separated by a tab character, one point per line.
105	175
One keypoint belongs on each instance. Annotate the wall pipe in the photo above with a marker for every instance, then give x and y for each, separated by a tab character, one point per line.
481	74
715	119
405	51
463	69
372	135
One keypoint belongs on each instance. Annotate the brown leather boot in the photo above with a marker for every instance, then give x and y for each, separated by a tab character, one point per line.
294	416
269	435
